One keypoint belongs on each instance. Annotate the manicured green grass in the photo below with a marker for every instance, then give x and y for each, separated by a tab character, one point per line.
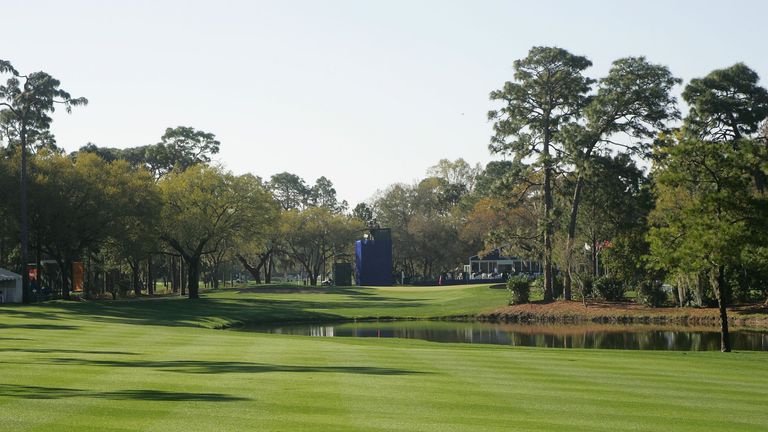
144	365
282	303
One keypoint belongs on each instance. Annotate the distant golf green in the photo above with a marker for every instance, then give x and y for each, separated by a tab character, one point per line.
160	365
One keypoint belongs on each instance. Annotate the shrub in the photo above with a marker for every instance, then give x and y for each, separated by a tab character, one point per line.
557	286
651	293
585	286
537	286
609	288
519	288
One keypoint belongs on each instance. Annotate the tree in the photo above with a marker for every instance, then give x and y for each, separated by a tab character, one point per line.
614	211
548	92
458	172
511	213
37	138
487	181
9	231
27	105
73	207
315	236
426	219
706	214
204	206
135	205
289	190
364	213
711	210
256	250
727	104
632	100
323	194
180	148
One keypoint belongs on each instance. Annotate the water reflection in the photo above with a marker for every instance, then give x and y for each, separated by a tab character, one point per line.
635	337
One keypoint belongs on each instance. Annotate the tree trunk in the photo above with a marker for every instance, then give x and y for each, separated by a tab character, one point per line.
175	275
269	266
548	225
182	279
65	278
720	287
150	277
26	293
593	253
254	271
135	277
193	275
567	289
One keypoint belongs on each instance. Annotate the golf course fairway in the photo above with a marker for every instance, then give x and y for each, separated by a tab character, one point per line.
166	365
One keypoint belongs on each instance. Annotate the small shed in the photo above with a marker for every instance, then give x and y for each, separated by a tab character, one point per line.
10	287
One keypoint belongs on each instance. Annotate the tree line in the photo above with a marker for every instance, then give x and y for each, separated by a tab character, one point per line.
694	220
609	182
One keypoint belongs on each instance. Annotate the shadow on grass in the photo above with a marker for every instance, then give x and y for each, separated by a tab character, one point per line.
64	351
195	313
39	326
218	367
20	311
36	392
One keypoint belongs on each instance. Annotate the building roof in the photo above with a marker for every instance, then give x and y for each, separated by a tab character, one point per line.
8	275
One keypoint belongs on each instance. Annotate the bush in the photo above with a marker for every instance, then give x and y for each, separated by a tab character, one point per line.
557	286
609	288
585	286
519	288
651	293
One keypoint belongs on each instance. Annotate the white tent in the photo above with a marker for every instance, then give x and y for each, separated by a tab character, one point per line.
10	287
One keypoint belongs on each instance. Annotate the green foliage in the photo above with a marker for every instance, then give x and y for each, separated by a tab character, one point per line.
323	194
609	288
585	286
180	148
427	219
626	258
548	90
364	213
545	99
651	293
289	190
537	286
28	100
519	288
204	206
727	104
706	211
314	236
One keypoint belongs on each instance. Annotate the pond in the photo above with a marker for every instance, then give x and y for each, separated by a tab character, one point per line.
604	336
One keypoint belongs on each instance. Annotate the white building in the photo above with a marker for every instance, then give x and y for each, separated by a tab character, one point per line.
10	287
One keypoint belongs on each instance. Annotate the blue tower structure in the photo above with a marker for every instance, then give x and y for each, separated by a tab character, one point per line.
373	258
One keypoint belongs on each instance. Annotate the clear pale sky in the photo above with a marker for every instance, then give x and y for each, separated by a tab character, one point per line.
366	93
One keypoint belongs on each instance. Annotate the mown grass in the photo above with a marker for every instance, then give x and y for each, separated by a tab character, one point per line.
280	303
145	365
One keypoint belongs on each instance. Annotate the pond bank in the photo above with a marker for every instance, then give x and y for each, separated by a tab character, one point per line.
754	315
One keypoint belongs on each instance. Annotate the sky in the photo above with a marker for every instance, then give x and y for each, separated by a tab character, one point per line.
366	93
